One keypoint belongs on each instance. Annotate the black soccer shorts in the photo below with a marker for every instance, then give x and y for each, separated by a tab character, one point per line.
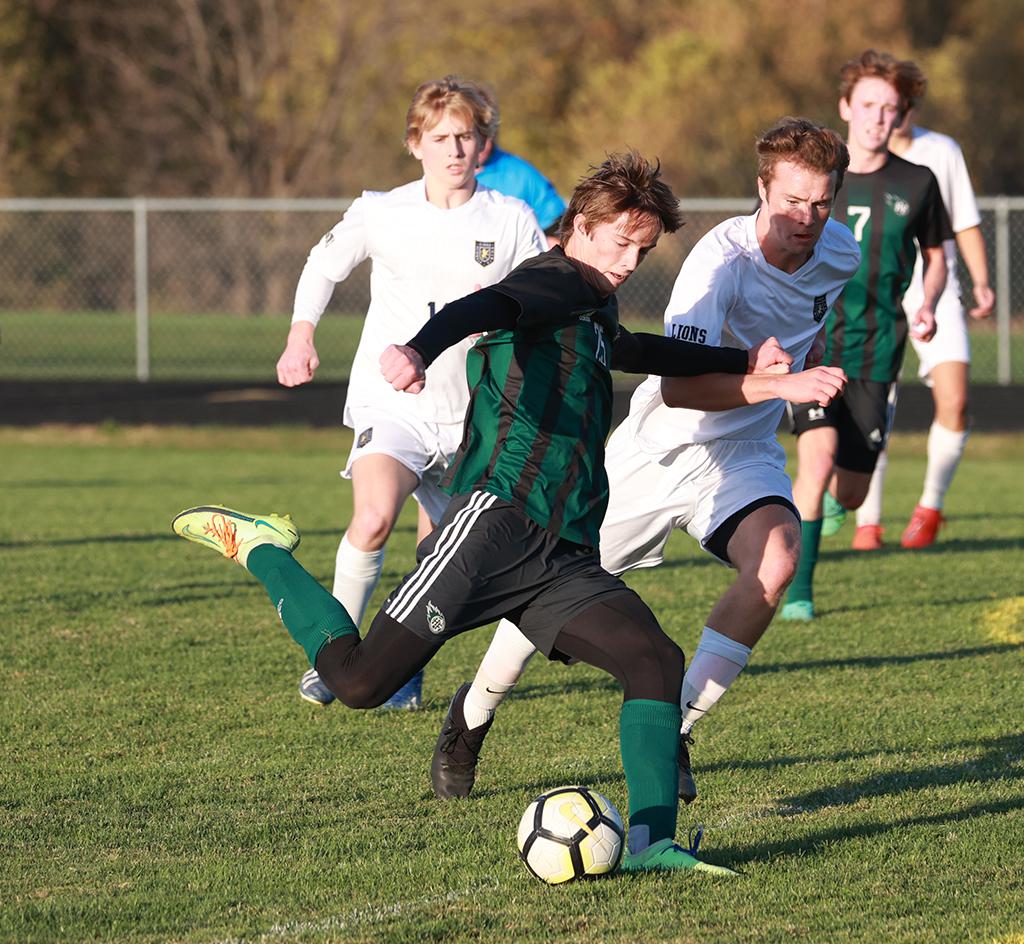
861	417
485	560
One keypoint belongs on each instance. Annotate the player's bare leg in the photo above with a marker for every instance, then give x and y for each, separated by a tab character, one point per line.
764	550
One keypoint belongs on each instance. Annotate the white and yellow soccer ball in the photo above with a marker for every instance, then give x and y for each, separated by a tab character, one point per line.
570	833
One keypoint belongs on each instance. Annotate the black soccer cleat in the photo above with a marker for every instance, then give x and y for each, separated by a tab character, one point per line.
453	766
687	785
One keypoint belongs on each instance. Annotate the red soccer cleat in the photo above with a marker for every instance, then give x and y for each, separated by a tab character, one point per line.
923	527
867	537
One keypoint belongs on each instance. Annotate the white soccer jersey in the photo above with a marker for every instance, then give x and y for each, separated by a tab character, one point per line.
423	257
728	294
943	157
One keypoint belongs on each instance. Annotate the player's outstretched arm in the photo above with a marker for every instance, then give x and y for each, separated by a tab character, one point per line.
714	392
299	362
669	357
404	365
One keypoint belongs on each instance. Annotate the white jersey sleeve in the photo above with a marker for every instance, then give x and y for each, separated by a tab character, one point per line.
703	294
330	261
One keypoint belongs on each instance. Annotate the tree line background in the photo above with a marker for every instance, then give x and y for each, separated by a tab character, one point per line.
284	98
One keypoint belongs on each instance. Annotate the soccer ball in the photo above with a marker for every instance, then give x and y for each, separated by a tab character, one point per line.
570	833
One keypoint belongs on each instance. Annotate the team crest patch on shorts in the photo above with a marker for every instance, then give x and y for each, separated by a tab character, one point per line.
364	437
820	307
435	619
484	253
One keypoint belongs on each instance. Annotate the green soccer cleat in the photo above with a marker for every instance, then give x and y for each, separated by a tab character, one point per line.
668	856
798	611
234	533
832	515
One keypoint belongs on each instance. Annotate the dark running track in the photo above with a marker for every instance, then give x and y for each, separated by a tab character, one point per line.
29	403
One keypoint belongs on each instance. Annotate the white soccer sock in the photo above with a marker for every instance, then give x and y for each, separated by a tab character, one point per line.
871	511
713	668
945	447
356	574
501	668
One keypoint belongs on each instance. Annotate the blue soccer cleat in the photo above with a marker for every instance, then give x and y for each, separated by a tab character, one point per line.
409	697
313	690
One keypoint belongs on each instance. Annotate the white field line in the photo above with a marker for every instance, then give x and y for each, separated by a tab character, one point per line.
358	917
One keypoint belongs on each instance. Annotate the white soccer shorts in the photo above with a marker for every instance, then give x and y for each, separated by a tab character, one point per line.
694	488
425	449
951	342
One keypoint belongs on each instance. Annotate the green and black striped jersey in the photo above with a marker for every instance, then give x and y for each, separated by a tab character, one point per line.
887	210
541	401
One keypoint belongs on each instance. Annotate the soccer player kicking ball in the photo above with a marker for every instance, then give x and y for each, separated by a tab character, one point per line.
431	241
700	454
889	204
519	538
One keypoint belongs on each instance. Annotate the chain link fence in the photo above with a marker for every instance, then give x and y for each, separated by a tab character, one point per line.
202	289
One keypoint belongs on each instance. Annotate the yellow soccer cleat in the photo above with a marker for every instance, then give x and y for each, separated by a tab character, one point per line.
234	533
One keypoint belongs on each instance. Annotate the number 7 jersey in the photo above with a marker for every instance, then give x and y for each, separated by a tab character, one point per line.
888	211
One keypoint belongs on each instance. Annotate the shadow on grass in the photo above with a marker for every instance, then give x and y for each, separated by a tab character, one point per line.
996	763
870	662
162	536
806	845
954	546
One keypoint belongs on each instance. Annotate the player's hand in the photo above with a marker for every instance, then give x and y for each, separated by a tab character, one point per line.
985	301
819	385
403	368
768	357
299	362
817	351
923	325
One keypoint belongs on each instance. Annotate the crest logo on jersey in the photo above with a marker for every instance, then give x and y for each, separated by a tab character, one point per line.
435	619
364	437
820	308
329	237
484	253
899	206
816	413
875	435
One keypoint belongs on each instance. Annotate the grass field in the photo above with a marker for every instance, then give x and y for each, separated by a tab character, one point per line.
160	780
101	346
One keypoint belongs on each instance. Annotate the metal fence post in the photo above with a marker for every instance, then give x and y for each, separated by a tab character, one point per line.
1002	221
141	290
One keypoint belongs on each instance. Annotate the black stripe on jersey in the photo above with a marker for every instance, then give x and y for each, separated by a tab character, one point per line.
875	270
510	394
571	477
566	338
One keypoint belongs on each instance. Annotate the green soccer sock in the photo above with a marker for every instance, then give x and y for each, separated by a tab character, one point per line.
310	614
649	738
802	587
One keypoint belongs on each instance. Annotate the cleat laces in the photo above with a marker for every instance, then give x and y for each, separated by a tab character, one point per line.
225	532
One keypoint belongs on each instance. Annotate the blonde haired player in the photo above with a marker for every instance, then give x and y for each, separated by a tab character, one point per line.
431	241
